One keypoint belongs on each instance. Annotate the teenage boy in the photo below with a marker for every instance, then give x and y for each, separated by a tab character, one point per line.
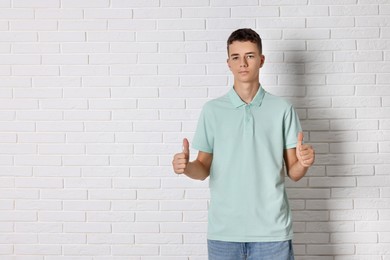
245	139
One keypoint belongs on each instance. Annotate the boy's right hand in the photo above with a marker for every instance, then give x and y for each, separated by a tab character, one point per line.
180	160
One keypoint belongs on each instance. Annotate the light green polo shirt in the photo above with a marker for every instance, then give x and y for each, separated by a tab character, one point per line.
248	198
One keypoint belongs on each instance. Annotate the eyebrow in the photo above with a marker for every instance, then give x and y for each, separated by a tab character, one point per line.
236	54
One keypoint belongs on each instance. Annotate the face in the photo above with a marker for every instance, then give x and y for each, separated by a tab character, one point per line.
245	61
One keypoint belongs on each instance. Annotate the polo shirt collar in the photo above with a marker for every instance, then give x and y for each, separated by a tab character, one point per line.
237	101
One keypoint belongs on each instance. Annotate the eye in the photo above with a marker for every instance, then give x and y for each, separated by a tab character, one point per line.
250	56
235	58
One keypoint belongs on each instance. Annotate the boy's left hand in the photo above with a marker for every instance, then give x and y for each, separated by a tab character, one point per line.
305	153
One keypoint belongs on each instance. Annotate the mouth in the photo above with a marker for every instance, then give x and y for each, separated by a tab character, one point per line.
243	72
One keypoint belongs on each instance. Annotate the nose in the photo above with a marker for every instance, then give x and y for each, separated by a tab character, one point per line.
244	62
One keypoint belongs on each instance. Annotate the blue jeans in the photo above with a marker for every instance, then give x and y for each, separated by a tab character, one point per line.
220	250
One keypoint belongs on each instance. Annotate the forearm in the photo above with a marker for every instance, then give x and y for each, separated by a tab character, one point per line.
196	170
297	171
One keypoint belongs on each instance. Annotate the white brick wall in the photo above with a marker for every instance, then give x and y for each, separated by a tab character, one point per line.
96	96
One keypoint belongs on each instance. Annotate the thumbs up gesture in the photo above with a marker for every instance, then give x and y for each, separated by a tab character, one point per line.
305	153
180	160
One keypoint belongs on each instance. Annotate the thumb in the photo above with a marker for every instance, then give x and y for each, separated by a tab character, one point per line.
300	139
186	146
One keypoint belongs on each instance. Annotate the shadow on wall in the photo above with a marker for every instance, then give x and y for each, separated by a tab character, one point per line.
304	85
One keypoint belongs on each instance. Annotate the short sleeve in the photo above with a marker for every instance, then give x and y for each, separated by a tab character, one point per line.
204	137
291	128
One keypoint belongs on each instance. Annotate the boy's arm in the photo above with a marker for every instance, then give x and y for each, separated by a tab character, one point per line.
299	159
198	169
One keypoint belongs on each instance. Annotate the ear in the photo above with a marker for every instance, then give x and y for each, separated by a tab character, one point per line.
228	63
262	60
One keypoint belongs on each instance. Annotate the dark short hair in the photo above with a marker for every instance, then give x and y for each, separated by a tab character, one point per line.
245	35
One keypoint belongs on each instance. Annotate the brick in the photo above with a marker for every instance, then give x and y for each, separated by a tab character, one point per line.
184	250
354	215
295	22
324	249
329	226
162	58
350	79
185	24
110	36
207	12
157	13
20	59
112	58
254	11
95	25
300	34
65	59
89	205
62	238
110	216
110	239
135	3
330	22
331	45
372	90
87	227
59	82
159	217
358	56
325	67
138	137
201	216
218	24
183	227
56	13
283	2
12	238
30	48
180	47
38	183
133	160
329	204
136	250
304	11
158	239
85	4
354	10
37	249
311	238
84	70
372	203
84	47
12	13
349	170
135	115
89	183
384	215
354	148
359	33
36	3
38	227
331	113
123	70
356	102
38	70
303	56
133	47
32	25
233	3
61	36
160	36
370	249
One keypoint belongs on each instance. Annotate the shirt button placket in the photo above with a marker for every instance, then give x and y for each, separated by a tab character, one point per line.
248	119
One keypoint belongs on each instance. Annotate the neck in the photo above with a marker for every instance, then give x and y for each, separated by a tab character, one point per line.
246	91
